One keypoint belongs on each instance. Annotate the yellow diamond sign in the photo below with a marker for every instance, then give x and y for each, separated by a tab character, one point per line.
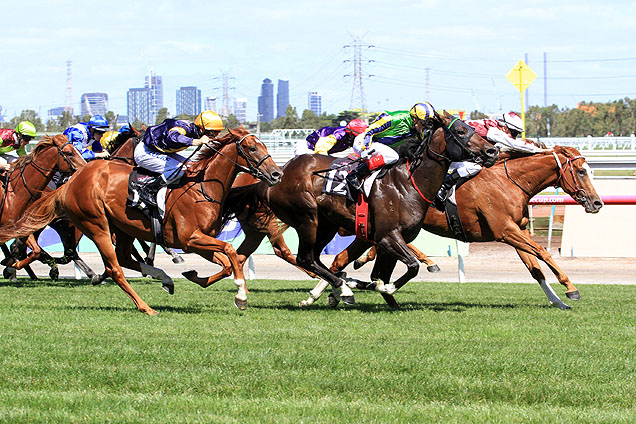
521	76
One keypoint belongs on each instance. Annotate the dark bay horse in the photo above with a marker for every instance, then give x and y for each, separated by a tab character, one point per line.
493	206
397	204
94	199
27	181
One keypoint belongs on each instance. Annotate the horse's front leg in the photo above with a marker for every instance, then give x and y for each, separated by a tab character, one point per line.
205	246
394	245
521	240
219	259
36	250
532	264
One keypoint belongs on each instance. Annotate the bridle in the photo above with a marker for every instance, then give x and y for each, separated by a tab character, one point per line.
580	195
458	146
9	179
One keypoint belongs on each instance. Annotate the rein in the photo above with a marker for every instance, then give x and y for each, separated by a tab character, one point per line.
408	169
515	183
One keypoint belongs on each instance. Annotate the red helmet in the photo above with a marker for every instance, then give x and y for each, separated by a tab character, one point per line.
356	127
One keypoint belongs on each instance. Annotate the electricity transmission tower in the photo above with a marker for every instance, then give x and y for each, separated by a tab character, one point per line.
226	108
358	99
68	104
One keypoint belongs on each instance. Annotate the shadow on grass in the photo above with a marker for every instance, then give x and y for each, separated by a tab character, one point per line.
26	282
193	309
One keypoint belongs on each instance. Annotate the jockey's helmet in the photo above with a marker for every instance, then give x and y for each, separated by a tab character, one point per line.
26	129
98	123
356	127
209	121
125	129
422	111
513	122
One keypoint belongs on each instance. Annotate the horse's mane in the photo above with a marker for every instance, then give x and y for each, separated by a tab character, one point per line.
412	148
206	152
566	151
47	142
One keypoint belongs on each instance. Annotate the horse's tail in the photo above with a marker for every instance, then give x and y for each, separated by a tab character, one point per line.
37	216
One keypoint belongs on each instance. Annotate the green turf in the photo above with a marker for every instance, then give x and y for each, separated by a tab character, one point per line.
72	352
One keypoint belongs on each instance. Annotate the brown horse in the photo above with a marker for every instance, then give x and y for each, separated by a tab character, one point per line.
493	206
95	201
397	205
27	181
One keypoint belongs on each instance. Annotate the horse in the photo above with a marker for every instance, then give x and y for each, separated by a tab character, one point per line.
397	204
94	199
27	181
493	206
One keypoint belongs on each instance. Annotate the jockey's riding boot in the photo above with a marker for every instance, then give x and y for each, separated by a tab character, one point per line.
150	190
449	181
355	177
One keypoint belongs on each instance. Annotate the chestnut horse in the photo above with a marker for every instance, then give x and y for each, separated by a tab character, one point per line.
94	199
493	206
27	180
397	204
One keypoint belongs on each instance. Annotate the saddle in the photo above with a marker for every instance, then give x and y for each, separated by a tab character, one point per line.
143	196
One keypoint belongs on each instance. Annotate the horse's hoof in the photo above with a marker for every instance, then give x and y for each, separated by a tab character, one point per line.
178	260
433	268
348	300
96	280
151	312
332	300
190	275
9	273
168	288
241	304
575	295
4	262
357	264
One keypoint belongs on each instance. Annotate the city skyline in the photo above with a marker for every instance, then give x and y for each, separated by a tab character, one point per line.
456	53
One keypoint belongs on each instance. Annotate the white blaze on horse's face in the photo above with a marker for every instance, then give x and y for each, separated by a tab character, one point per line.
590	173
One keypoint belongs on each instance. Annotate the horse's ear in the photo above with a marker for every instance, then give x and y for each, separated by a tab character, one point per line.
447	115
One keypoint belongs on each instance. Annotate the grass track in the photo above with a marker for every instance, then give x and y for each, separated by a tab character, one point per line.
71	352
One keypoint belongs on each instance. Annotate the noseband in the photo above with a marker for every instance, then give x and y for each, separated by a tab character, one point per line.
252	165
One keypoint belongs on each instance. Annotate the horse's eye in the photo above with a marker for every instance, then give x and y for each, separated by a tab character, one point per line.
582	172
253	149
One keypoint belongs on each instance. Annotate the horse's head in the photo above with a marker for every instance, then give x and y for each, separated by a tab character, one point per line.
69	158
463	143
575	177
253	155
54	153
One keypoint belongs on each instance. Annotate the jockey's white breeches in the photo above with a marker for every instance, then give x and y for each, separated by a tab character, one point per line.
390	156
164	164
465	169
301	148
8	157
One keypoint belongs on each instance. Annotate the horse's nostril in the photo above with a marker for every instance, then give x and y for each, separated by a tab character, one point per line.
597	204
492	151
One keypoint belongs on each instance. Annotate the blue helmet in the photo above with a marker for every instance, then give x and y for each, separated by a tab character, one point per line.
125	128
98	123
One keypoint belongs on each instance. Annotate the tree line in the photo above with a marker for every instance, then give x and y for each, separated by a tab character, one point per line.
596	119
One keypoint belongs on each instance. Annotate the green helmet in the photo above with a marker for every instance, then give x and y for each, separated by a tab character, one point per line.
26	128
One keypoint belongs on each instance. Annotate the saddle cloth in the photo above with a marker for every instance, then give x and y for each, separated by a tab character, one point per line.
335	182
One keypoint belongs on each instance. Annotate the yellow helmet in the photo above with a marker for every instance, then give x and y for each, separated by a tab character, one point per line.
423	111
209	120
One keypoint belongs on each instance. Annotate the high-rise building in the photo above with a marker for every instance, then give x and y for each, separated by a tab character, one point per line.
188	101
155	84
314	102
240	109
282	98
94	104
139	101
56	112
210	103
266	101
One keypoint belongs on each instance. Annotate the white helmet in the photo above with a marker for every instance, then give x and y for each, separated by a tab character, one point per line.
512	121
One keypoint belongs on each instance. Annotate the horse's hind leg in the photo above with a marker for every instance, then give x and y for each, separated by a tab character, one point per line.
421	256
532	264
100	235
369	257
395	246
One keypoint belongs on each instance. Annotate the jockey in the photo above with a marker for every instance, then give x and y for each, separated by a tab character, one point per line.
15	140
379	141
329	140
158	152
86	137
500	132
113	139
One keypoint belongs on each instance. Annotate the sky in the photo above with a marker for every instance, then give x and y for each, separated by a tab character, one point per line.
467	46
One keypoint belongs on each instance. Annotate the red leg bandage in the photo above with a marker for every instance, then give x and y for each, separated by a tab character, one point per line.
376	162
